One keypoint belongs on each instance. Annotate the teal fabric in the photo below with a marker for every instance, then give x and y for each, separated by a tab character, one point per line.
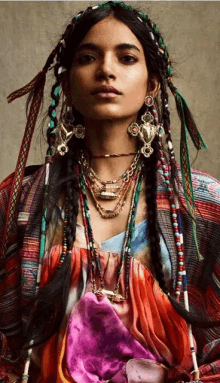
139	245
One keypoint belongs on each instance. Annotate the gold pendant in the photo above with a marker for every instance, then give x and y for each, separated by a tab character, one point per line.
111	295
107	195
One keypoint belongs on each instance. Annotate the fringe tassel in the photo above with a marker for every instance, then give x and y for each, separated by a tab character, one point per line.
37	88
189	122
188	125
37	80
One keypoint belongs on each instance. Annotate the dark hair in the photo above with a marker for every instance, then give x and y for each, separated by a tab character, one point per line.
51	311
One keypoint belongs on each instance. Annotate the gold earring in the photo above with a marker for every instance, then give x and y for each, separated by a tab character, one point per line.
65	130
146	131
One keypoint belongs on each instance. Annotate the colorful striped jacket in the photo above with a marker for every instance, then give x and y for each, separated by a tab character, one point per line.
18	270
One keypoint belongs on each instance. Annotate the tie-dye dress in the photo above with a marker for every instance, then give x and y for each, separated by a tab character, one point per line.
101	341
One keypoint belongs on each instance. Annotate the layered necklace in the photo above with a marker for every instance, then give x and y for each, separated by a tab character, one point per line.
109	190
95	267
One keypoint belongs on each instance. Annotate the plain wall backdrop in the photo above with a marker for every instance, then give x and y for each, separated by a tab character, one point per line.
30	29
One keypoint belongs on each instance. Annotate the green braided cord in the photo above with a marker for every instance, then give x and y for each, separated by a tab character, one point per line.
43	235
194	133
49	153
186	177
56	92
155	29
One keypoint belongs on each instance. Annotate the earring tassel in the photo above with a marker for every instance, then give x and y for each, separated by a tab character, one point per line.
189	122
188	125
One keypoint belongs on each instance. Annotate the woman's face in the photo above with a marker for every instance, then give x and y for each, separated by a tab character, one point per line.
113	57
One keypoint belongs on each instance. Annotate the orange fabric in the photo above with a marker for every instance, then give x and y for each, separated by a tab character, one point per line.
53	366
148	314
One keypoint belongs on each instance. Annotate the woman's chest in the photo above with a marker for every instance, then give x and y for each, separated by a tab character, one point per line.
106	227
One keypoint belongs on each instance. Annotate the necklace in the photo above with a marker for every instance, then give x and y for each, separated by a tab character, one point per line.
110	190
115	155
114	296
122	198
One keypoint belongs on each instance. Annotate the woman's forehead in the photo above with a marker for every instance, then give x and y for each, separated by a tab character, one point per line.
113	32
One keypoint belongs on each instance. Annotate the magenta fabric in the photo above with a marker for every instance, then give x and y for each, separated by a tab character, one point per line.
98	343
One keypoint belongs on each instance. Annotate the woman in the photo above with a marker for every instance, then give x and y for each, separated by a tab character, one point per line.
97	243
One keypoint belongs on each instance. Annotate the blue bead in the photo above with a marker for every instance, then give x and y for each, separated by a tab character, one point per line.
180	253
175	224
181	263
176	234
178	243
174	215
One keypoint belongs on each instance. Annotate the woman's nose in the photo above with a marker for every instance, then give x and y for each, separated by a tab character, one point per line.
106	69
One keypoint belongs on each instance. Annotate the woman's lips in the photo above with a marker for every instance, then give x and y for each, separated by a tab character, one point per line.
106	95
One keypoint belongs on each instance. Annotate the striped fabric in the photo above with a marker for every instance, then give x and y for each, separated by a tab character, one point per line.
18	270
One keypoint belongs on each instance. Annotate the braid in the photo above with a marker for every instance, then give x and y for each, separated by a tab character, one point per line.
154	240
52	299
153	227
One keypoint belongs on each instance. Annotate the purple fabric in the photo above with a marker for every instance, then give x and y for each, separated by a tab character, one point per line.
98	343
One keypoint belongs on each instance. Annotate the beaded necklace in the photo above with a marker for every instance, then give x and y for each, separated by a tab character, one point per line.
126	249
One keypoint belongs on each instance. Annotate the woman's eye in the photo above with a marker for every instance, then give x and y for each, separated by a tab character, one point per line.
129	59
85	58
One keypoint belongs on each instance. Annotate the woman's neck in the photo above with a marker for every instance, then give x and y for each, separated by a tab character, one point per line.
110	137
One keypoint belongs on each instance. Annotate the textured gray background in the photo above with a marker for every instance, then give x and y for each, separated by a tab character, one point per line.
29	30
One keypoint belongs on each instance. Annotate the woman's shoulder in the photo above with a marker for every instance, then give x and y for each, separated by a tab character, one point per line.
205	187
30	171
206	191
31	175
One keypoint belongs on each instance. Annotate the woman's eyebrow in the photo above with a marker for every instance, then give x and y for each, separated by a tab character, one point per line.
96	47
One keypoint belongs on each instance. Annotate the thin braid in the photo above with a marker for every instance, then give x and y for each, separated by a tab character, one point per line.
153	227
164	108
73	196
